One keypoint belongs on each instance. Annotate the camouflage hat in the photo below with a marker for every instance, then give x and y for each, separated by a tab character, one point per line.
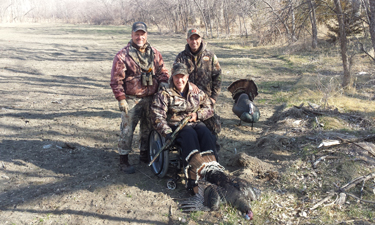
179	68
139	26
192	32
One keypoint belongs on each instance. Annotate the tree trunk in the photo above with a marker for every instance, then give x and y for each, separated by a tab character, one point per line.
244	24
226	17
294	39
209	16
343	44
203	17
372	22
314	29
239	19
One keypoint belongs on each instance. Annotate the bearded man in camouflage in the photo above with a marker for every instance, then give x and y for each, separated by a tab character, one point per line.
137	73
204	71
173	104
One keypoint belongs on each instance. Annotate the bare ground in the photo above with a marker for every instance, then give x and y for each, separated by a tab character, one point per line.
59	127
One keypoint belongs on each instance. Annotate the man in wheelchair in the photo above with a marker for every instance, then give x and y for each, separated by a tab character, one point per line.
173	104
206	178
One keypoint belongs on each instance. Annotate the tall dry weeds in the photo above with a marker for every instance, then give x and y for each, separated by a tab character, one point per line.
328	88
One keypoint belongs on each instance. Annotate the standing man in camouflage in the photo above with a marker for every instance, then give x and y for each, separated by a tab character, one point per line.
204	71
137	73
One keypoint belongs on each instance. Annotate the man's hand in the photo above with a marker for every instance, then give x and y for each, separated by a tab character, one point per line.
194	117
123	106
163	86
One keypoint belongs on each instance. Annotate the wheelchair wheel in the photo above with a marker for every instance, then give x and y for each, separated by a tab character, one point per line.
155	143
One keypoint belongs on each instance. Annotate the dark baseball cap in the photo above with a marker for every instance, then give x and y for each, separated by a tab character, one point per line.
139	26
179	68
192	32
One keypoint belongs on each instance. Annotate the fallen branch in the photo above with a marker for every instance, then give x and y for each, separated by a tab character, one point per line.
370	138
328	143
364	160
366	201
331	194
323	158
357	181
310	112
342	192
367	146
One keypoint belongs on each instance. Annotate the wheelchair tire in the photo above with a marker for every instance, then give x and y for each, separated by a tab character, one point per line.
155	143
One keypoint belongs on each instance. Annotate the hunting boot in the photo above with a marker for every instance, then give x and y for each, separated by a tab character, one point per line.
125	166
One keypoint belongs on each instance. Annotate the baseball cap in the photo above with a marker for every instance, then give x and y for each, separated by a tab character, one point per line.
179	68
139	26
192	32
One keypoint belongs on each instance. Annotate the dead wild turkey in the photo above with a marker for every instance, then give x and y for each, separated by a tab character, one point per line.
243	92
214	187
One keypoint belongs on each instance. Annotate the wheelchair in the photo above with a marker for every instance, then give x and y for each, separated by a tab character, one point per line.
169	160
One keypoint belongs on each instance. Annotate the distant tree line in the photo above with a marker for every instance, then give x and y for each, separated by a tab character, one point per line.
267	21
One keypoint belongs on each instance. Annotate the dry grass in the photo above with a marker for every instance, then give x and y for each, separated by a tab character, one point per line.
314	76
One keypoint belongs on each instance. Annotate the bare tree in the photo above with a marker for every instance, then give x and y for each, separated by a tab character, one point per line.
293	21
203	16
278	16
343	44
371	18
314	29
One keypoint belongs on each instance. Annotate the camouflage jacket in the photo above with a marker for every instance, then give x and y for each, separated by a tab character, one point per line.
126	75
203	68
169	107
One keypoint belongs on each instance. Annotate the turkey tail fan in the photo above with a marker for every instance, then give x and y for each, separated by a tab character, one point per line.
243	86
199	163
209	197
208	156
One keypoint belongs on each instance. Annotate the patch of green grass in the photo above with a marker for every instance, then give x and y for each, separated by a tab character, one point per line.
307	151
260	101
280	97
196	215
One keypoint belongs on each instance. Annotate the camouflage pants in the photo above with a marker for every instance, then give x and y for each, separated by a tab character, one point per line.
139	111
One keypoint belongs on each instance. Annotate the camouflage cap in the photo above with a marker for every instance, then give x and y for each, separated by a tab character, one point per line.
192	32
179	68
139	26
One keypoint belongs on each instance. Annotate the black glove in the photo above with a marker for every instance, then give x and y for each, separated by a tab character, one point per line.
168	137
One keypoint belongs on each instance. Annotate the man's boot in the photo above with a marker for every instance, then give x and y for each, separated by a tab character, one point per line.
125	166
